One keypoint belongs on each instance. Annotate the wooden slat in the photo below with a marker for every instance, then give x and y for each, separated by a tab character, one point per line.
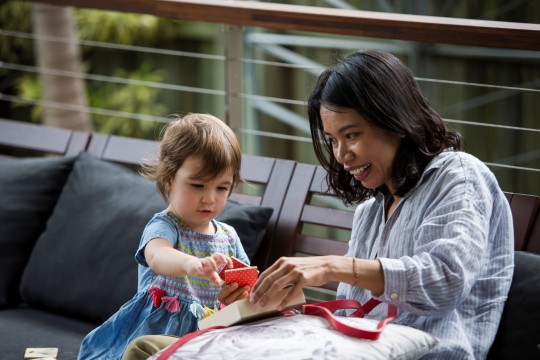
319	215
257	168
319	246
130	150
289	224
122	149
246	199
308	180
97	144
524	209
431	29
273	196
319	184
77	143
533	244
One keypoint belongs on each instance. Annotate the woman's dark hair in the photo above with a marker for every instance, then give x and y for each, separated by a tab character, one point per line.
383	90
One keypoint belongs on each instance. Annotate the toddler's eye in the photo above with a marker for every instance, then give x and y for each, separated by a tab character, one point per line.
198	186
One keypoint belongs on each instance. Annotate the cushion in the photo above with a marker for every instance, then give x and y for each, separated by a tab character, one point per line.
305	337
26	327
83	264
249	221
29	189
518	336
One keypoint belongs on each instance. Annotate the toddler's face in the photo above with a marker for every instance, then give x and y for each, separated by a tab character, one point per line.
196	201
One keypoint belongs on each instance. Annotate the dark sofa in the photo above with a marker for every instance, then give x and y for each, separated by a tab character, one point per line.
69	230
70	225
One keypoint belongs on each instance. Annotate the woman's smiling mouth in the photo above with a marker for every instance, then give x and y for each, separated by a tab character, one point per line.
359	171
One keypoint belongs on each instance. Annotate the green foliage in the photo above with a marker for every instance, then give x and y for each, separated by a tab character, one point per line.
29	88
136	99
125	28
103	26
15	16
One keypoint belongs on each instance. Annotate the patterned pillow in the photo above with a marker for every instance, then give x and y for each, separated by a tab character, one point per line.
304	337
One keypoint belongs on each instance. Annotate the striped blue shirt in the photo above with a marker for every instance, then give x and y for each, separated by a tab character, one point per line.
446	253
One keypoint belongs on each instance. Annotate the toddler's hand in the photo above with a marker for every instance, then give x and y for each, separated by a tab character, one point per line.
207	267
232	292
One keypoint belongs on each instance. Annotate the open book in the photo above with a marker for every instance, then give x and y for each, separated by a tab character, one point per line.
242	311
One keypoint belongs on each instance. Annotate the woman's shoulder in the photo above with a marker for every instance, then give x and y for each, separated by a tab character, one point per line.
452	158
459	166
458	171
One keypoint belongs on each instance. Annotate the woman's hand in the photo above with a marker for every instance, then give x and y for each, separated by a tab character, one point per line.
287	276
231	292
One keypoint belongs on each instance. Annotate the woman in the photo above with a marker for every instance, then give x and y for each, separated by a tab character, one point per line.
432	233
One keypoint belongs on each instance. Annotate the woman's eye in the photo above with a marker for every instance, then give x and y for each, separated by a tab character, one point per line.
351	136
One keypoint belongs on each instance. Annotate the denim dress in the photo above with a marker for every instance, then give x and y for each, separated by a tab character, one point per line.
166	305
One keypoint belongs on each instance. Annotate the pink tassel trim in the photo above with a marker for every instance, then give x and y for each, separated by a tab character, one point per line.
158	296
171	303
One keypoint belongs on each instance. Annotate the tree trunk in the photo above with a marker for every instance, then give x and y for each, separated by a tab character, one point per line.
63	96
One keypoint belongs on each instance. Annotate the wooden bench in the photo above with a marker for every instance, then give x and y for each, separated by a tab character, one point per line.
305	220
268	177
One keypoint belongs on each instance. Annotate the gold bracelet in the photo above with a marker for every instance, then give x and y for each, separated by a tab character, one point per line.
356	275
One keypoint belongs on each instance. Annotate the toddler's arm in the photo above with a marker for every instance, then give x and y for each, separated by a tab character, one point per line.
165	260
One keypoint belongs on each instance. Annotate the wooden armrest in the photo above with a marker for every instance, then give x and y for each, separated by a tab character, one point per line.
43	140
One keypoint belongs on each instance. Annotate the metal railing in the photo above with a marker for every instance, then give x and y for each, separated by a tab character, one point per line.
271	54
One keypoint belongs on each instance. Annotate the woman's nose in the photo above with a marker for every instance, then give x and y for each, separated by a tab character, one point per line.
342	153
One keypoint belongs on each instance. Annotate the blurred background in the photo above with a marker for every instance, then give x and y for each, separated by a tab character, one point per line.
122	73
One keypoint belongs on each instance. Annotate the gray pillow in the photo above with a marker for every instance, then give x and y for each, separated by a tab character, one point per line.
249	221
29	189
83	265
518	336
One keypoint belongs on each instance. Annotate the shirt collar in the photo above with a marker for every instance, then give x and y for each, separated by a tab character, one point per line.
435	163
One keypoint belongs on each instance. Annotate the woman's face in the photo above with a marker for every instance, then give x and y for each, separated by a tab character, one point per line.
364	150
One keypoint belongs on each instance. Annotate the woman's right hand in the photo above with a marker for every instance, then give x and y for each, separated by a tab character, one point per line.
287	276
